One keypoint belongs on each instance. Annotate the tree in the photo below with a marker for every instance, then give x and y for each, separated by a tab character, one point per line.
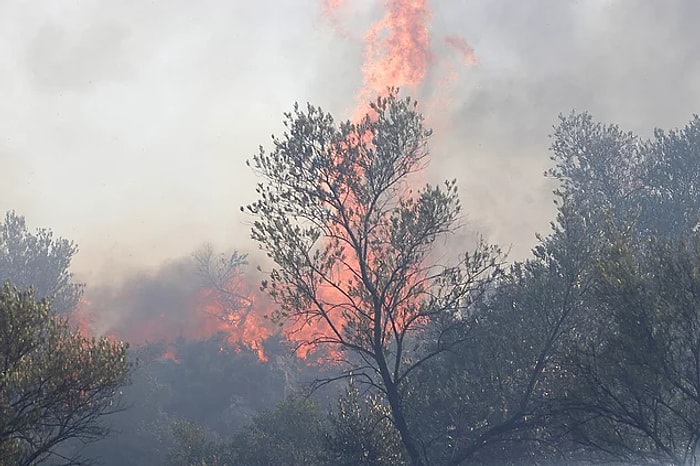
220	274
361	432
672	168
611	178
628	209
213	390
39	261
55	385
637	388
195	447
292	433
357	268
490	400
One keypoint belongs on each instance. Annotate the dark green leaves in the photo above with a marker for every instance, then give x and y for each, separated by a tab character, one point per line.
54	383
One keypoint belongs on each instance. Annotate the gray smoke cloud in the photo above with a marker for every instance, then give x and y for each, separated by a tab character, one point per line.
634	64
148	306
125	125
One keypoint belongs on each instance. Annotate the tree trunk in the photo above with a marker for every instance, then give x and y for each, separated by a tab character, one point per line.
394	399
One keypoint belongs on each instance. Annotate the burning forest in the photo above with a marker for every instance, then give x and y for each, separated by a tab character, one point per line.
388	282
210	294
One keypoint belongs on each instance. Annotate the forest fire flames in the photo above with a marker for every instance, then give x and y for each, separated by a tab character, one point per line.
201	312
398	54
397	50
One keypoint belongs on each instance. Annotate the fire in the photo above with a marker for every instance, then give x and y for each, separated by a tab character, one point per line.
180	312
244	322
81	318
331	5
397	47
397	53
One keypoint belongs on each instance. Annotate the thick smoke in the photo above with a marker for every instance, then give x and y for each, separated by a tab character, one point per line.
153	307
631	64
125	124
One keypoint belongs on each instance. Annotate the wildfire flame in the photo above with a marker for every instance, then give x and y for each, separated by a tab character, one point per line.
243	321
397	49
81	318
202	313
397	53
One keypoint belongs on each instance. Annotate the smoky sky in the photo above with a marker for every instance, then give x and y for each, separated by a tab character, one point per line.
124	126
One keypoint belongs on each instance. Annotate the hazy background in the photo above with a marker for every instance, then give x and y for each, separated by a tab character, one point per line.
125	125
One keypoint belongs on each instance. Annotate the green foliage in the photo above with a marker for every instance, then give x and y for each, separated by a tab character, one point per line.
361	432
489	400
296	432
672	169
55	384
625	229
642	377
598	166
291	434
609	178
195	447
38	261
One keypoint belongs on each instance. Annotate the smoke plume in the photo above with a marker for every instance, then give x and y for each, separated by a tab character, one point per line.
125	125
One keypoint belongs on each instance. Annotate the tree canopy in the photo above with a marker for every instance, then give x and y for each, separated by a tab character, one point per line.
587	351
357	267
55	384
38	261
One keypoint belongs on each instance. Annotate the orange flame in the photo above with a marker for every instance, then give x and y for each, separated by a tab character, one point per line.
81	318
397	52
203	314
243	323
